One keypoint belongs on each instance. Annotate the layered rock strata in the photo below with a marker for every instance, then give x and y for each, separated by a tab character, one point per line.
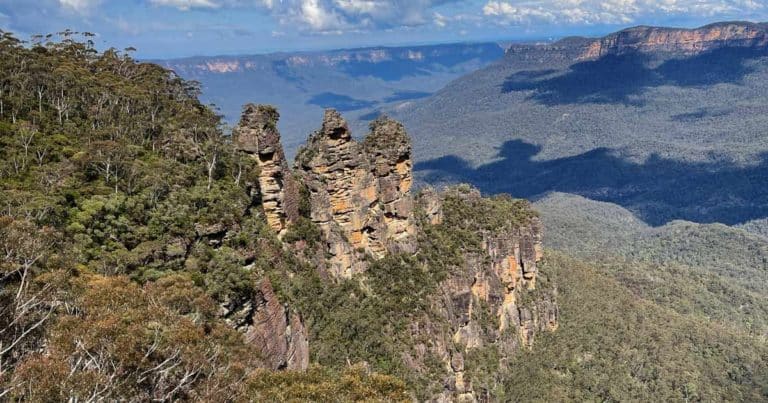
658	42
359	193
492	301
679	41
257	135
277	332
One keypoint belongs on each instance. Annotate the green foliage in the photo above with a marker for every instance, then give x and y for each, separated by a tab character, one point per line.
483	368
318	384
464	209
614	346
226	277
703	269
303	229
362	321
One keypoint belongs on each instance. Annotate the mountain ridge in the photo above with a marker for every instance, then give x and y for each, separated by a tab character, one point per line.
331	57
648	38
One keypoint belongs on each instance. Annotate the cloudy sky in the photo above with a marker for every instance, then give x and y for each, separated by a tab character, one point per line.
173	28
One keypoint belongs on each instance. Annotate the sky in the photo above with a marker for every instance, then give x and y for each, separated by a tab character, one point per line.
179	28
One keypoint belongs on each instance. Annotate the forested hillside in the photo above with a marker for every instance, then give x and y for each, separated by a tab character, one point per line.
668	123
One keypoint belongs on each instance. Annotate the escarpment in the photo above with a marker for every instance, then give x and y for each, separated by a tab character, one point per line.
679	41
482	254
659	42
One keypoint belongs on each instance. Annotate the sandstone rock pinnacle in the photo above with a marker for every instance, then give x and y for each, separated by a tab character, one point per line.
360	193
257	135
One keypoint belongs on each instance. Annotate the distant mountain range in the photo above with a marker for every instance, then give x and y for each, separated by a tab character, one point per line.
668	123
358	82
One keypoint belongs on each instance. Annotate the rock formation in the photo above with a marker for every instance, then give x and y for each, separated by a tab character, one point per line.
272	327
359	193
489	301
257	135
277	332
657	41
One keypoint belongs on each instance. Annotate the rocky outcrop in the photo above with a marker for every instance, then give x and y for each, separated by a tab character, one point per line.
257	135
359	196
277	332
359	193
389	151
678	41
492	301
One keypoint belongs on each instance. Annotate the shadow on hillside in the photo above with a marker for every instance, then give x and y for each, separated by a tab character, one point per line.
658	190
342	103
622	78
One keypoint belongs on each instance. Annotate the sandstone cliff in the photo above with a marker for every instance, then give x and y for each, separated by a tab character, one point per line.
489	298
492	302
278	332
679	41
658	41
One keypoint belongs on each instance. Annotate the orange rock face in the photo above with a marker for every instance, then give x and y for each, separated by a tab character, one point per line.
360	192
682	41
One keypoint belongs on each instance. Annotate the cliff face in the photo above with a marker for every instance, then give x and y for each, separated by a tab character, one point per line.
661	41
679	41
359	193
492	302
359	196
277	332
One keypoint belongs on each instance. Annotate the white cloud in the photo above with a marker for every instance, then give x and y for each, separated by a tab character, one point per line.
361	6
353	15
318	17
440	20
79	6
588	12
185	5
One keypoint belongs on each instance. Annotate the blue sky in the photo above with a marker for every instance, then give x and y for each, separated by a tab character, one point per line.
176	28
